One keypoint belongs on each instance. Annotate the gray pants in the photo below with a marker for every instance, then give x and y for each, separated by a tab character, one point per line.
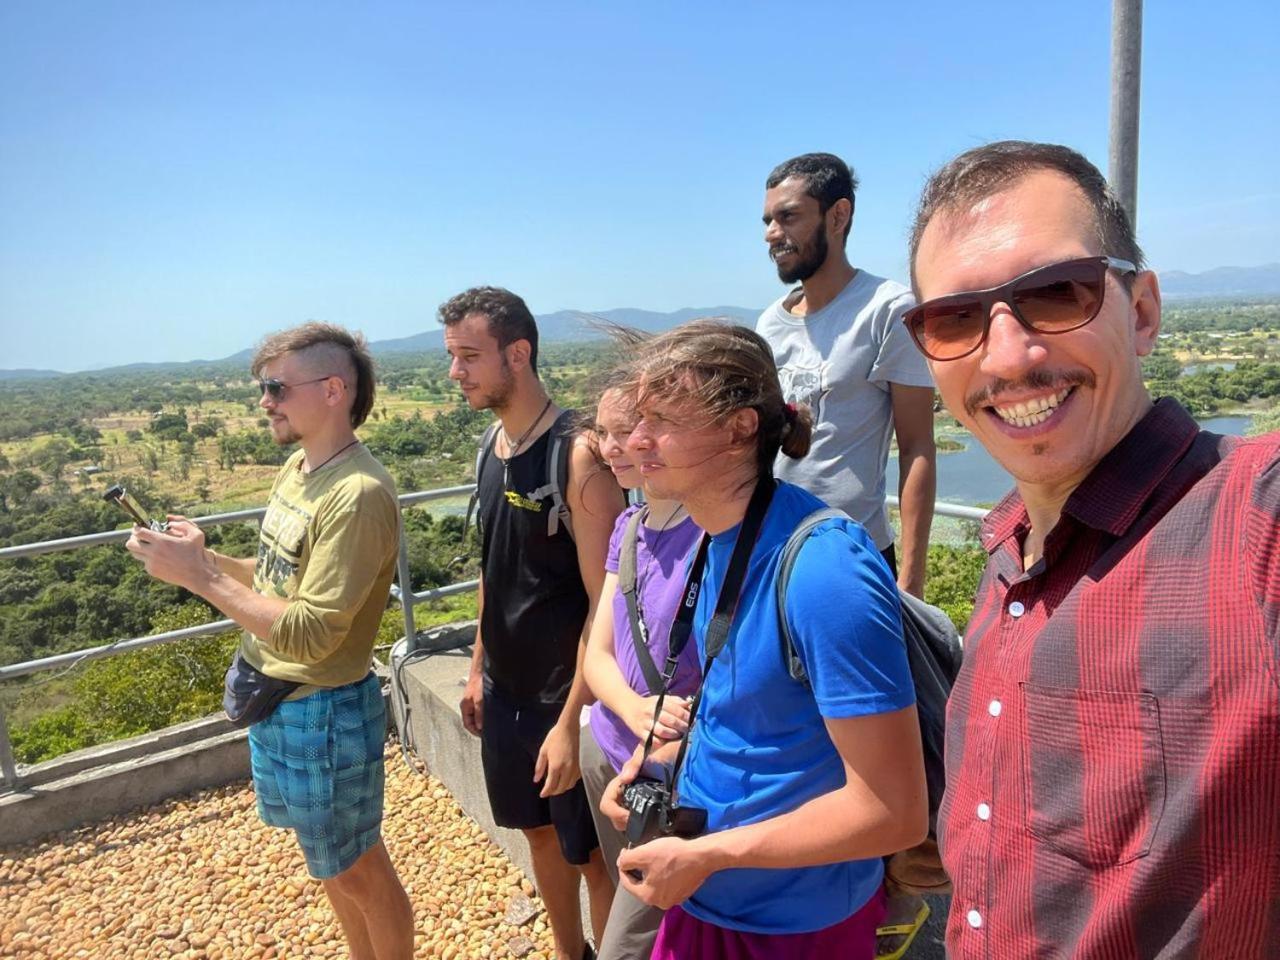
632	927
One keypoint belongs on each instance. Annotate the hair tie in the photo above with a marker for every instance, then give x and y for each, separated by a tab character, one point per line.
790	412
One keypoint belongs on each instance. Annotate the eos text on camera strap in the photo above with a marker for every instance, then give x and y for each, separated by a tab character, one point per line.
726	606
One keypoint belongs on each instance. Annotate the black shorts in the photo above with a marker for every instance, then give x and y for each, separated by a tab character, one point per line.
510	739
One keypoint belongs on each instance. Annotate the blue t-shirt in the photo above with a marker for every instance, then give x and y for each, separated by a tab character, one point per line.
760	747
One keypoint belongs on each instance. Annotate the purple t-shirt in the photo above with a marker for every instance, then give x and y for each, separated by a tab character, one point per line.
661	564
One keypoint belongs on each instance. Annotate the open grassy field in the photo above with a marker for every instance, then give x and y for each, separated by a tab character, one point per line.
198	482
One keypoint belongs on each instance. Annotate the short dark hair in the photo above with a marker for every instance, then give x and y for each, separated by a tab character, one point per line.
985	171
508	315
312	336
826	178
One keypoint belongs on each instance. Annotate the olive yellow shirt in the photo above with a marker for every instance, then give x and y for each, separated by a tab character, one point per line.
328	544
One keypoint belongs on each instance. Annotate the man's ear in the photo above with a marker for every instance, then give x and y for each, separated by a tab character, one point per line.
335	390
517	352
1144	301
838	216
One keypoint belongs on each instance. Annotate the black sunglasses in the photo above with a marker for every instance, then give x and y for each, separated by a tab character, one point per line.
1052	299
276	389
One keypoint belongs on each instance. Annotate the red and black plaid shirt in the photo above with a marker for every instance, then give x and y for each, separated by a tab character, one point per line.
1113	740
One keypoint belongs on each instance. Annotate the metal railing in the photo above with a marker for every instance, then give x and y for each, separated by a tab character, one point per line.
9	777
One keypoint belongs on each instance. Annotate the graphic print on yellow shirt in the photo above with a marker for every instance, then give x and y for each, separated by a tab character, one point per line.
328	545
280	545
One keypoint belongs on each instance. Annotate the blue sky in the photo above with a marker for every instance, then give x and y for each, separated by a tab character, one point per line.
194	175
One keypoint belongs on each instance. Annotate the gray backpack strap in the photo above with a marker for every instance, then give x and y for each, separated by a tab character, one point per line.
790	551
933	656
627	587
558	475
627	552
482	454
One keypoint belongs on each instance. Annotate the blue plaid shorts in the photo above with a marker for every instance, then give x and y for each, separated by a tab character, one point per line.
318	770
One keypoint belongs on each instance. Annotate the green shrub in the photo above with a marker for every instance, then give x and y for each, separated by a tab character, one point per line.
135	693
951	580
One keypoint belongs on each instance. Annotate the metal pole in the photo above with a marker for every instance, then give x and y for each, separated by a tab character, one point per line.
406	591
1126	81
8	769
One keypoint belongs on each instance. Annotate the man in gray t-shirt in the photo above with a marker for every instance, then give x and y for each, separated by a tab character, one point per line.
842	349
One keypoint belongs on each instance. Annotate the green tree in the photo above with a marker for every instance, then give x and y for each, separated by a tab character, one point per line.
1268	421
951	580
53	455
135	693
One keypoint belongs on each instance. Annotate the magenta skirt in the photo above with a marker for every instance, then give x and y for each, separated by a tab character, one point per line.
685	937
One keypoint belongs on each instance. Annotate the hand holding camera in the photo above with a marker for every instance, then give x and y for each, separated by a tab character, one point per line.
668	870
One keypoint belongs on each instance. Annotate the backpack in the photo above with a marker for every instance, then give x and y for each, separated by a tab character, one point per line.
562	438
933	654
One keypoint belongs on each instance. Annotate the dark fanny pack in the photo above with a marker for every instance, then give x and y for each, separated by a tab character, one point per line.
249	695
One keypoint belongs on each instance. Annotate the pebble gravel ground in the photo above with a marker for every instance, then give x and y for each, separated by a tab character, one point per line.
200	877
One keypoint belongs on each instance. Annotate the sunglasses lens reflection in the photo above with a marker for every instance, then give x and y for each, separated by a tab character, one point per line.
1062	298
947	330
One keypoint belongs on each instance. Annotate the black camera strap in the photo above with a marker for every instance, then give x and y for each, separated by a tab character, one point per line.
726	606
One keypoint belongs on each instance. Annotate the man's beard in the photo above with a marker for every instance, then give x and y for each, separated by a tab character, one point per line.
288	436
499	398
806	266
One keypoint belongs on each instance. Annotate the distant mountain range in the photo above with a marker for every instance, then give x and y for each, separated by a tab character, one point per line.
564	326
1222	282
570	325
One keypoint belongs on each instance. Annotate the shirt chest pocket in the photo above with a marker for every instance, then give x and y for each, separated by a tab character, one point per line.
1093	772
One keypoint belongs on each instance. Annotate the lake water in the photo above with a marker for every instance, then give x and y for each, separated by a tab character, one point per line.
970	476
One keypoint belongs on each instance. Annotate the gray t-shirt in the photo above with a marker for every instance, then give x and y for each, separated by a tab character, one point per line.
840	361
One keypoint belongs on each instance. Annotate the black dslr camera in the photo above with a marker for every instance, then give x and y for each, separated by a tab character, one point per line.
120	497
653	814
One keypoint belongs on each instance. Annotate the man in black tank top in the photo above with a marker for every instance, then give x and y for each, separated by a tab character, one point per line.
539	583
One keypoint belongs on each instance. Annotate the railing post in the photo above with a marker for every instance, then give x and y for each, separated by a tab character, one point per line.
8	769
406	592
1126	87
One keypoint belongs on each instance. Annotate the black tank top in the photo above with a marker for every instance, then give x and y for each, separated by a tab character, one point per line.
534	601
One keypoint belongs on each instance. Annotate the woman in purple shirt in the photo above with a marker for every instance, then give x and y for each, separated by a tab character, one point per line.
624	711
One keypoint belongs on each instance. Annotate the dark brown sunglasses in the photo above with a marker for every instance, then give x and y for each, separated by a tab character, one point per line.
1052	299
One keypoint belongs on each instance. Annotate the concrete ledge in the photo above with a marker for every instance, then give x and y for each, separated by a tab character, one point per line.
109	753
105	781
83	791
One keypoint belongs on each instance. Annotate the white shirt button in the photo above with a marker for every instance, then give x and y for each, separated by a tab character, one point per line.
984	811
1016	609
994	708
975	919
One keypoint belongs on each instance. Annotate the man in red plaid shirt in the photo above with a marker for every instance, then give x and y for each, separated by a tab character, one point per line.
1113	741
